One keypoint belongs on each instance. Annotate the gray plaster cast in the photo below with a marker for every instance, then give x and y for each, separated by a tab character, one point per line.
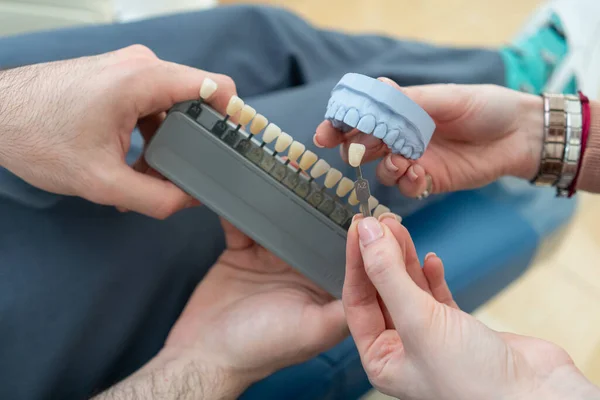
373	107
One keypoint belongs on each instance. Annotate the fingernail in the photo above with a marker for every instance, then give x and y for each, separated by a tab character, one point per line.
415	171
390	216
429	255
386	80
316	142
389	165
356	217
369	230
122	209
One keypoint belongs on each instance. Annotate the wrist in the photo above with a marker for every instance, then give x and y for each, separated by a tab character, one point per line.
11	102
169	375
565	382
531	130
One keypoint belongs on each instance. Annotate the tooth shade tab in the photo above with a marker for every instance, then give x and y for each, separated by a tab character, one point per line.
373	202
344	187
283	142
380	209
258	124
353	200
308	160
246	115
208	88
332	178
320	169
234	106
296	150
356	153
271	133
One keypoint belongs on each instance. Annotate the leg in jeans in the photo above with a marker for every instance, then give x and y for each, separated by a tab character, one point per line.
87	295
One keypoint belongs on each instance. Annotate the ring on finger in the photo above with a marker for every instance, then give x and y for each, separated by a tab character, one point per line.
428	189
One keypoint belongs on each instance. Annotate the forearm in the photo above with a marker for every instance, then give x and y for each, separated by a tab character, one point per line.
165	378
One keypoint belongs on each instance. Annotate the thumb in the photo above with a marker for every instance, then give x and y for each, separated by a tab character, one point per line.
409	306
145	194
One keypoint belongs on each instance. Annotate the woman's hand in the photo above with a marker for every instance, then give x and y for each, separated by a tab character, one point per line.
65	127
415	343
483	132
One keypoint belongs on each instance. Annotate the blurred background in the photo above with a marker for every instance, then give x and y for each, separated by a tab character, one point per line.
558	298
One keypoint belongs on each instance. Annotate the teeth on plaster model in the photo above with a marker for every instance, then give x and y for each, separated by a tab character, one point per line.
295	151
272	132
344	187
356	153
373	202
258	124
208	88
283	142
373	107
308	160
332	178
380	209
234	106
352	199
320	169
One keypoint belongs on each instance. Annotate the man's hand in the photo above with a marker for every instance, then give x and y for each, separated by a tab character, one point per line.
483	132
416	344
249	317
66	126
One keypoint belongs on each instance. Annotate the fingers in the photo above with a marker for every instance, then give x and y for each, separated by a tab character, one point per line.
434	272
363	312
411	260
330	327
142	193
166	84
234	238
409	306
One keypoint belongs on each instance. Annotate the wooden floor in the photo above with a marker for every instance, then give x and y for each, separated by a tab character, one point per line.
559	298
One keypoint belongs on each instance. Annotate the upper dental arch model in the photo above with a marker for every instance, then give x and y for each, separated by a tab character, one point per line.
373	107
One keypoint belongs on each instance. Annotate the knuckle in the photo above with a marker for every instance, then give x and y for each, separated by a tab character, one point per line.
140	50
377	262
226	82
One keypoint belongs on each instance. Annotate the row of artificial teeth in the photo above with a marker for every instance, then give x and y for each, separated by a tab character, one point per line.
296	150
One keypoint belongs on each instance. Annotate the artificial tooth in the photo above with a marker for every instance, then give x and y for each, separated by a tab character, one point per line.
246	115
392	137
271	133
356	153
380	131
366	124
308	160
380	209
352	199
320	169
234	106
295	151
332	178
283	142
344	187
352	117
208	88
258	124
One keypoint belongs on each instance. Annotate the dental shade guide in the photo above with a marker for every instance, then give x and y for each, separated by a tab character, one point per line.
295	205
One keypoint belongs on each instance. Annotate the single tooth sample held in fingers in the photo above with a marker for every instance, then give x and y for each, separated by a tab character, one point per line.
356	152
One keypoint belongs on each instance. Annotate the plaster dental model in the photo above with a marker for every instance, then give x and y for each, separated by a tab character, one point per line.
373	107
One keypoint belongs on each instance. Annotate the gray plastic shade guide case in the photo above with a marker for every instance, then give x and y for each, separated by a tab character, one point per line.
373	107
294	218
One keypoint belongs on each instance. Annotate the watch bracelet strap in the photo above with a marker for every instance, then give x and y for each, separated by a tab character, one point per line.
562	142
